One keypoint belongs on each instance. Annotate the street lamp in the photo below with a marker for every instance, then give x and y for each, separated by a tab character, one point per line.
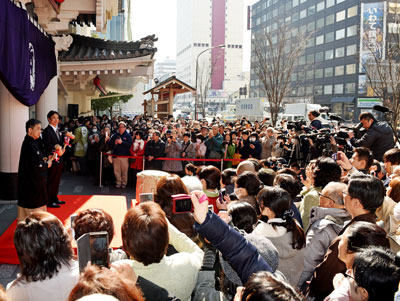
197	67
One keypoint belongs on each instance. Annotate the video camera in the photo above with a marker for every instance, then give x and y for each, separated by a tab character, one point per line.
296	125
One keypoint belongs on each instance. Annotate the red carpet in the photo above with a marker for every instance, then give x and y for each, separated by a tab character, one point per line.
114	205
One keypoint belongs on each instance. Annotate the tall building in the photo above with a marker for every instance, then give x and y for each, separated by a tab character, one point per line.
205	24
164	69
334	75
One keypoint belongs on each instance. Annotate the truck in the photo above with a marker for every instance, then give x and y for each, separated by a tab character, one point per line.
252	108
299	110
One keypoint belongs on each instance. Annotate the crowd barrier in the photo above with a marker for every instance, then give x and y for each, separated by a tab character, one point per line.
163	159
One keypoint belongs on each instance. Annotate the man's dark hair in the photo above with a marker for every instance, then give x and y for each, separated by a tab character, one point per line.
93	220
295	165
227	176
377	271
186	134
289	183
244	216
249	181
267	176
366	115
361	235
392	156
366	155
158	134
368	190
51	113
315	113
42	245
30	124
326	170
81	119
265	286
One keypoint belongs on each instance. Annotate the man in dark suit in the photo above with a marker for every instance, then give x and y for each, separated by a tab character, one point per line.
32	172
51	137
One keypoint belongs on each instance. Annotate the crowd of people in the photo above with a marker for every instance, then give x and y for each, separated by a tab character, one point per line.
294	215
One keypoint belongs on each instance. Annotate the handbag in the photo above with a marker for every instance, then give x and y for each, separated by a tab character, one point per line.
236	158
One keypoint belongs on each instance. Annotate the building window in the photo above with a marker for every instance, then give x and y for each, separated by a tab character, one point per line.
319	73
301	91
329	54
318	90
288	19
309	90
319	40
320	23
320	5
302	60
319	57
340	34
352	11
310	42
329	72
351	50
339	70
311	10
274	12
288	6
327	89
339	52
302	1
339	1
311	26
310	74
351	31
330	3
293	77
329	37
295	17
295	3
351	69
340	16
310	59
303	14
330	19
350	88
294	32
339	89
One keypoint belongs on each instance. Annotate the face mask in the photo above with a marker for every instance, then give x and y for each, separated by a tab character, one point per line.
94	130
128	131
252	139
237	192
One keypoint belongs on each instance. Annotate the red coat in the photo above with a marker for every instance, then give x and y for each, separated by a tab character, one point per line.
138	164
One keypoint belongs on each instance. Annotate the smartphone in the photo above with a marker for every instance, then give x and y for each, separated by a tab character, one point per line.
73	217
181	203
303	173
93	247
222	193
146	197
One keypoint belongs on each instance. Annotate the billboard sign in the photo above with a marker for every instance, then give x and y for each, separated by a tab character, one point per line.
372	32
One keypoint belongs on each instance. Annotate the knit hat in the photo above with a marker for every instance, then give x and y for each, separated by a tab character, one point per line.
264	247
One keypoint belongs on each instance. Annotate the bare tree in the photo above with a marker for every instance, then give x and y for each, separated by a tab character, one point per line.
204	77
382	68
275	58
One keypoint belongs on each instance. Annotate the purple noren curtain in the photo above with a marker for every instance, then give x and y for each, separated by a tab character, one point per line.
27	56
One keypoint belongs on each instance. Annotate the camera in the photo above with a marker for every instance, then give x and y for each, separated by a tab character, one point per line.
93	247
296	125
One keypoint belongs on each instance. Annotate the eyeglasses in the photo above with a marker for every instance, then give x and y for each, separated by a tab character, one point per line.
322	195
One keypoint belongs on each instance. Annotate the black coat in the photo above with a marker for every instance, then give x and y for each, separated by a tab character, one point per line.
156	150
32	173
50	139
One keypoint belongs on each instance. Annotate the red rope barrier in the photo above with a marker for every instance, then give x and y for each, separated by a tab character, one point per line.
174	159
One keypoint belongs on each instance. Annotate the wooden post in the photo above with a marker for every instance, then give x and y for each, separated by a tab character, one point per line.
171	100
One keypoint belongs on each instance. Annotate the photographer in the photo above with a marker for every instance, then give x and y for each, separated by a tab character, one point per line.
315	120
378	137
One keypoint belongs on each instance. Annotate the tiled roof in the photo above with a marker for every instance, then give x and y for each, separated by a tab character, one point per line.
92	49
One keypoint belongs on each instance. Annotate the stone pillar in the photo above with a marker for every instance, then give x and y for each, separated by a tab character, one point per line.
48	101
13	116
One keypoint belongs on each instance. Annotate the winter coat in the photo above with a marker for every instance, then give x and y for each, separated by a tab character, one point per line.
290	260
310	199
245	150
137	149
266	147
256	151
325	225
123	148
173	150
378	138
156	150
214	147
321	283
385	211
241	254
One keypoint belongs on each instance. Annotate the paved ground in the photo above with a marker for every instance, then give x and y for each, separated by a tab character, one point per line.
71	184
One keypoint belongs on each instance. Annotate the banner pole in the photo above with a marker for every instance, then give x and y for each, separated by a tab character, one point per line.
144	161
222	164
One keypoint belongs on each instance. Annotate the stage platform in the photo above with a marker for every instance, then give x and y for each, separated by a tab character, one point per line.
115	205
